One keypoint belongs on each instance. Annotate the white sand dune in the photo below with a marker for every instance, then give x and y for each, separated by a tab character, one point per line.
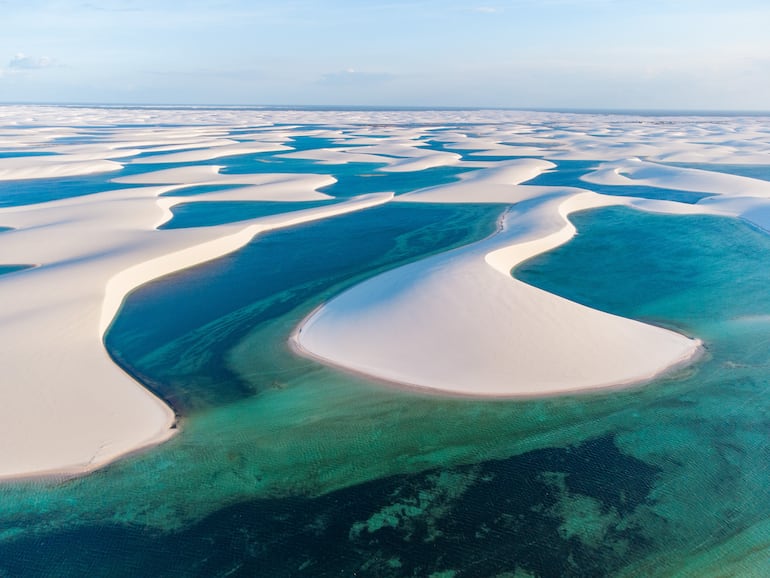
637	172
733	195
65	407
52	167
511	151
402	156
608	138
166	143
254	187
422	162
205	154
329	156
273	190
496	184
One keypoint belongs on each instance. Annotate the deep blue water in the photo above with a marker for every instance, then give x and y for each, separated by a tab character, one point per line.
492	527
271	276
31	191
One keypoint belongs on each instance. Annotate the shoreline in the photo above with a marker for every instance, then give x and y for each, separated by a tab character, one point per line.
461	323
63	475
698	353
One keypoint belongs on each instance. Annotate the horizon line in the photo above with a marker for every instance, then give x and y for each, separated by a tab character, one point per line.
405	107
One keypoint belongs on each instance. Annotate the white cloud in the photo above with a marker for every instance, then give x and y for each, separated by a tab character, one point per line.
486	10
23	62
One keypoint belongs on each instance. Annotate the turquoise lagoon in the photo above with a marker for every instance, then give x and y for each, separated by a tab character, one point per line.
286	468
5	269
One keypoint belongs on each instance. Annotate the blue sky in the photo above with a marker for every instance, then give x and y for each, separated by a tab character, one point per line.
674	54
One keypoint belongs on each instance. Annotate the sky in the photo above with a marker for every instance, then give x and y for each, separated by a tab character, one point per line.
562	54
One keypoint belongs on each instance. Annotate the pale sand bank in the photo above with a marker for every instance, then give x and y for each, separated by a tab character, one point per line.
53	167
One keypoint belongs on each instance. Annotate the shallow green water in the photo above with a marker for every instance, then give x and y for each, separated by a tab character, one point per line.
308	471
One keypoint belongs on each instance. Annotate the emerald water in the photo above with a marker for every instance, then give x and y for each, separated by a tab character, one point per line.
284	467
